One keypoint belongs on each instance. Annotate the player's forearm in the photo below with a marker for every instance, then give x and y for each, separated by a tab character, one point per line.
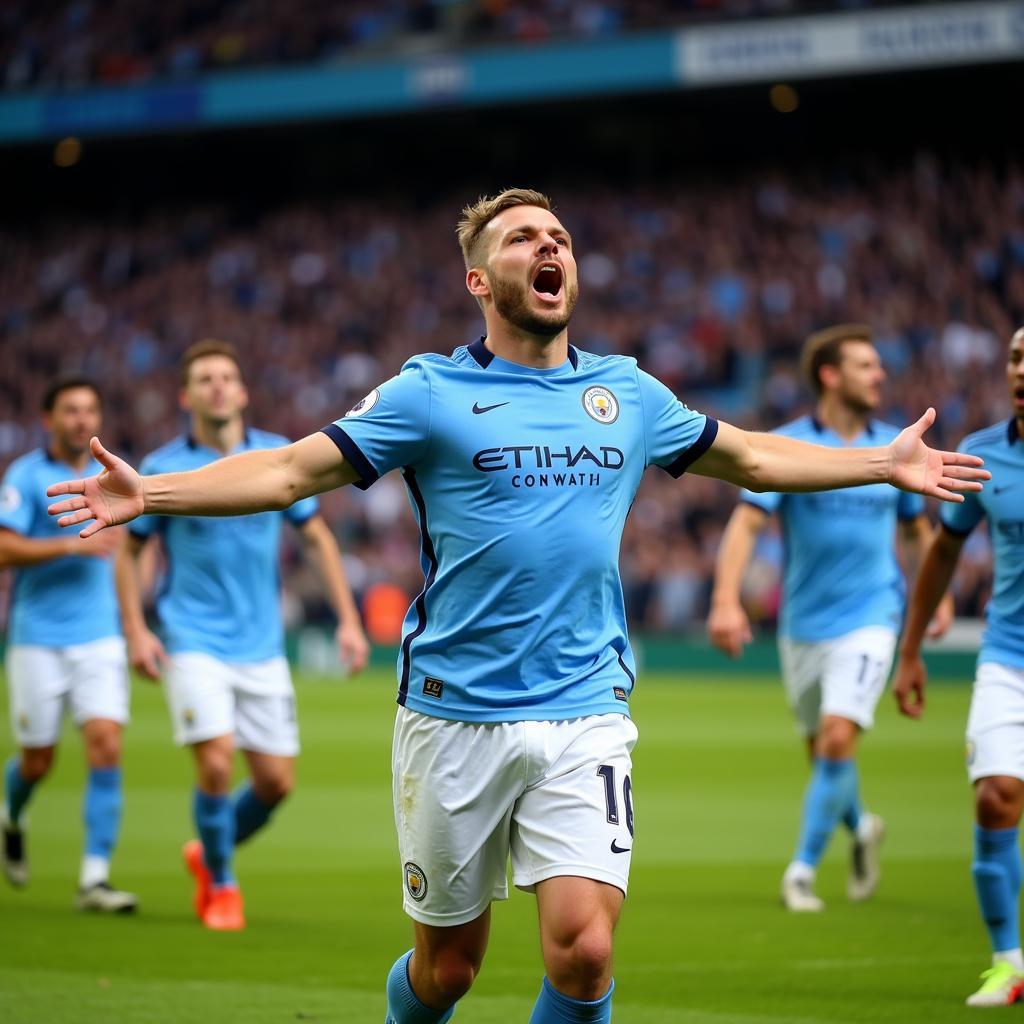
933	579
17	551
258	481
914	536
734	555
778	463
129	593
327	556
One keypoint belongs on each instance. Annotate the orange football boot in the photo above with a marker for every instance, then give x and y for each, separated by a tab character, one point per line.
192	852
224	912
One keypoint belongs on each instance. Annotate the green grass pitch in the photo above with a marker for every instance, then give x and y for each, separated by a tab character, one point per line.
717	783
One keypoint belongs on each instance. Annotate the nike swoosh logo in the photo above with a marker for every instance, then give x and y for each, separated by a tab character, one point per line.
620	849
487	408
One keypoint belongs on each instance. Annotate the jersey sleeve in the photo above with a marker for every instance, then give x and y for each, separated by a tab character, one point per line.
145	526
963	516
17	500
302	511
767	501
909	506
674	435
390	427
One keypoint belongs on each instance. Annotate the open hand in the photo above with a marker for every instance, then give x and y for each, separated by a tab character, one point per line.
112	497
916	467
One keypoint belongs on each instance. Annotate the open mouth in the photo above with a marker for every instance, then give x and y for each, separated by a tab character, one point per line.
547	281
1018	395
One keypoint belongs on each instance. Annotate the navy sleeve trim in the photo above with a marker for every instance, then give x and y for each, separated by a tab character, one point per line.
367	474
955	531
695	451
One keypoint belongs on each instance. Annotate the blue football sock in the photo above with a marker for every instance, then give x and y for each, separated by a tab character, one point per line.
554	1008
18	790
403	1006
829	795
251	813
215	823
997	870
851	816
101	811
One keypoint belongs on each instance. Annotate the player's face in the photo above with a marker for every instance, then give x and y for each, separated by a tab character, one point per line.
861	376
74	420
215	391
1015	373
531	270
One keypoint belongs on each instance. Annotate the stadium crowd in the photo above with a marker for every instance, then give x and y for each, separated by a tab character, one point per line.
711	286
71	43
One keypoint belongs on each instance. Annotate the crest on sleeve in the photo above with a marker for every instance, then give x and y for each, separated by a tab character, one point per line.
601	404
364	405
10	498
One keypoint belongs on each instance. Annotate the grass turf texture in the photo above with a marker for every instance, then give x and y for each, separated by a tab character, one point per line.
717	779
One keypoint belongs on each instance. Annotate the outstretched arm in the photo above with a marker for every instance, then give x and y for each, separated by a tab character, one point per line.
932	582
771	462
352	644
259	481
17	550
728	625
915	537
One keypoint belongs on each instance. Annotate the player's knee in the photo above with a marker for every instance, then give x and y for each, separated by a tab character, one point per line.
273	789
104	751
452	975
837	739
582	965
998	803
36	763
214	771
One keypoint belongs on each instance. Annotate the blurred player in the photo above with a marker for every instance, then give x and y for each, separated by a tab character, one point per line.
521	456
65	649
842	605
995	725
227	680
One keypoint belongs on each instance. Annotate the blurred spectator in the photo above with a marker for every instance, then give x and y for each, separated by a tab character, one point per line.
712	287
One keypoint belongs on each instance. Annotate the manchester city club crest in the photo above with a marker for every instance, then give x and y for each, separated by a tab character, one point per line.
364	405
601	404
415	881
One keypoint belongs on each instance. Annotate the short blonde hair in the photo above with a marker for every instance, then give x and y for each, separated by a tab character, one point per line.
476	216
825	348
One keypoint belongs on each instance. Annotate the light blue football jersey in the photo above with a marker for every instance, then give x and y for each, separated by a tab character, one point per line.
221	594
520	480
1002	504
840	570
65	601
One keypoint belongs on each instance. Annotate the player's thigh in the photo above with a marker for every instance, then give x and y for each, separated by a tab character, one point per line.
454	786
856	672
802	665
200	697
576	816
38	681
99	688
995	723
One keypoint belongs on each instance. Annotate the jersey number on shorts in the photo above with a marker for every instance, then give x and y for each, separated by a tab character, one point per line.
870	674
607	772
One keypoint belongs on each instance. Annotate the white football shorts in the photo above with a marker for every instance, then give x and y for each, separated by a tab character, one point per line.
556	796
995	723
254	702
89	680
844	677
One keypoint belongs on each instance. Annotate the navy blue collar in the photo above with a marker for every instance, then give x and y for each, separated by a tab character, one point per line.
483	355
869	426
1012	433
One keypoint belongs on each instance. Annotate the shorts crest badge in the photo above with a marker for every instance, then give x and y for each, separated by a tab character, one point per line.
415	881
601	404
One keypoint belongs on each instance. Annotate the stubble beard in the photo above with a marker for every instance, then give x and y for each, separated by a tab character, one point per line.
510	301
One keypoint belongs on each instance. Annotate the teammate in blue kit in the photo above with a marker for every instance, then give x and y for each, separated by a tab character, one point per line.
995	724
227	681
521	455
65	649
843	600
